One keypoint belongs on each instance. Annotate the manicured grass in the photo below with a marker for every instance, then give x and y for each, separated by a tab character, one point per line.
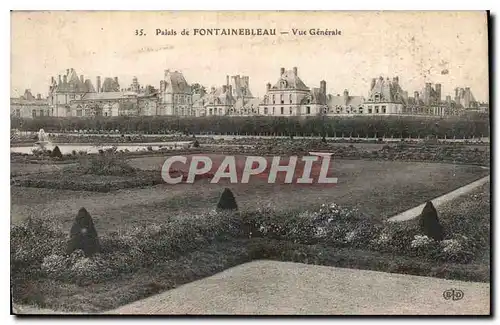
380	189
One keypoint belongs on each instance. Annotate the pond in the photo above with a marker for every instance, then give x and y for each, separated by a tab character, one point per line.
69	148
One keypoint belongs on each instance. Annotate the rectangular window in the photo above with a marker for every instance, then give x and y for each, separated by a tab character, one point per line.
78	112
33	113
41	113
369	110
376	110
18	112
265	110
308	110
360	110
274	110
291	112
282	110
384	109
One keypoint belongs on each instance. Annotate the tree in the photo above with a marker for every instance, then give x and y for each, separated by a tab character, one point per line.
149	90
198	89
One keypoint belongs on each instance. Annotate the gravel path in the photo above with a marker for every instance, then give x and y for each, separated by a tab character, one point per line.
268	287
415	212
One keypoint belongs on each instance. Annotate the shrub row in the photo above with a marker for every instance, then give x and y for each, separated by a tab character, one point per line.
37	245
363	126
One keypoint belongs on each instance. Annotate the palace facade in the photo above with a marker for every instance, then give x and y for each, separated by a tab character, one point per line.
72	95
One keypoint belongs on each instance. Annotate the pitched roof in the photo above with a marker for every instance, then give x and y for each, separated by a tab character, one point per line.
73	84
289	80
22	101
241	87
387	91
219	97
354	101
110	85
110	95
176	83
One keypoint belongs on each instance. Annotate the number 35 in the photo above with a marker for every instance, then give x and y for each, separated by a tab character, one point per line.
139	32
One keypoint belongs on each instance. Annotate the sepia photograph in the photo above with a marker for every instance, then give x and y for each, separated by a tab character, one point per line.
250	163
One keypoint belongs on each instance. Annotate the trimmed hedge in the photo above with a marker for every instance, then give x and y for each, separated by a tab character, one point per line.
363	126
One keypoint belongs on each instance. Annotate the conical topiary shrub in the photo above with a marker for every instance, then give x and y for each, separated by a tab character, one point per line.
429	222
56	153
227	201
196	144
83	235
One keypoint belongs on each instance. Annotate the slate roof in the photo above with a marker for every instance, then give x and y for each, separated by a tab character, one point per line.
219	97
289	80
73	84
389	92
354	101
110	85
175	83
110	95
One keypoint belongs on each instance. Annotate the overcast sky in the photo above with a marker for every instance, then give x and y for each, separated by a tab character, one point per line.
450	48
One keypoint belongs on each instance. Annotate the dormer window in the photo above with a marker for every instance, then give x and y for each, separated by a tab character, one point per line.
283	84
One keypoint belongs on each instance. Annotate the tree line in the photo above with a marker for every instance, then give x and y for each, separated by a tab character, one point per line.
359	126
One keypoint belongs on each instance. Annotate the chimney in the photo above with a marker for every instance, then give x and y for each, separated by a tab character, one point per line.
162	85
60	82
38	96
98	84
65	79
224	88
67	71
268	86
322	86
395	80
282	71
295	71
448	99
227	80
438	92
52	80
373	83
346	96
81	78
415	94
230	89
116	79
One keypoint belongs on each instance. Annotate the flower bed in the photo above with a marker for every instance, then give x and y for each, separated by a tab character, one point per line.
198	246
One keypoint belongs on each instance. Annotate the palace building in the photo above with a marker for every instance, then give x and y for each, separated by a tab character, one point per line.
290	96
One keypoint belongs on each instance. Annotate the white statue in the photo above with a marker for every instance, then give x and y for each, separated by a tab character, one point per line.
43	139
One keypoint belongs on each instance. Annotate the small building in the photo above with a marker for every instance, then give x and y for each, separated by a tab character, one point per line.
29	106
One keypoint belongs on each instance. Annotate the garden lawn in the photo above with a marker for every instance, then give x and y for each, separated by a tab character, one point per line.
468	215
380	189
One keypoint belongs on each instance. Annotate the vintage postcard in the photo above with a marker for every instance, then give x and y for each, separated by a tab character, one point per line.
250	163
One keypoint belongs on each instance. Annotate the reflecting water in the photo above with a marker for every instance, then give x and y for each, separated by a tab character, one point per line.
69	148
